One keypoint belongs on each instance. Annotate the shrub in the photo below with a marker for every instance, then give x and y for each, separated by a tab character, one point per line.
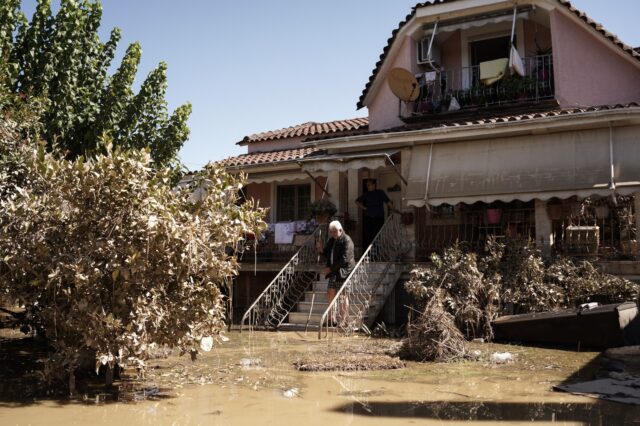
465	293
114	262
511	277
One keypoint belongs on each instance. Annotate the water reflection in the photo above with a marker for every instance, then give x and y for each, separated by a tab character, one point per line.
597	413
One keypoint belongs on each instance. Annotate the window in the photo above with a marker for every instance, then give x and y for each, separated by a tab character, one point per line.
490	49
293	202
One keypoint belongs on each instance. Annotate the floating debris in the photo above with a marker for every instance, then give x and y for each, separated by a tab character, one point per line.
435	336
249	362
501	357
349	362
291	393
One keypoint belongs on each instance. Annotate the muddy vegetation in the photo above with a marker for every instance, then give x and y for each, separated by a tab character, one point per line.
469	290
109	262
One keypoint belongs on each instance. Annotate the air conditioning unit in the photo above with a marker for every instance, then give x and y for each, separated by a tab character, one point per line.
423	52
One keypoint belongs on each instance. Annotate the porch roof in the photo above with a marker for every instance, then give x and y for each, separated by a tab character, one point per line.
346	161
466	119
263	158
308	129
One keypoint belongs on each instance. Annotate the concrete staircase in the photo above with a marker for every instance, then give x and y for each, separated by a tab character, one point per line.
314	303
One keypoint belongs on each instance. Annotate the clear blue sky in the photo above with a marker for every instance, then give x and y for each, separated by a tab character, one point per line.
255	65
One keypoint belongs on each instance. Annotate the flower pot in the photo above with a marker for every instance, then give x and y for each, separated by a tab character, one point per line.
493	216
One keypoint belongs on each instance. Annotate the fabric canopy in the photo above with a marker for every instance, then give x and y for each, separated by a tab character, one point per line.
276	177
345	162
480	22
523	168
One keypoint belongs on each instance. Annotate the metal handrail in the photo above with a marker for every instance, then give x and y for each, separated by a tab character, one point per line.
357	292
284	291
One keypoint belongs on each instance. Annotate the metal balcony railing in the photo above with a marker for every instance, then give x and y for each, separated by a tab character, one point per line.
439	88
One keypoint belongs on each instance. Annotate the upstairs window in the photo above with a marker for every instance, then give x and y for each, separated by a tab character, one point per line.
293	202
489	49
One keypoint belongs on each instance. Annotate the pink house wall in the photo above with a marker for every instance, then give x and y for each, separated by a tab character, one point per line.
383	111
259	192
275	145
451	54
533	32
587	71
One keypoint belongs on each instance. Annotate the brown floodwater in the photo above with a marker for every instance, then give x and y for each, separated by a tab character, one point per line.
252	380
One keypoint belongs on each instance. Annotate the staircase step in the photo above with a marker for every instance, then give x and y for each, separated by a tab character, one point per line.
319	286
302	317
371	281
320	296
318	307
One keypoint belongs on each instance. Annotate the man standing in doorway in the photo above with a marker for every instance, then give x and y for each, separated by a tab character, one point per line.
372	203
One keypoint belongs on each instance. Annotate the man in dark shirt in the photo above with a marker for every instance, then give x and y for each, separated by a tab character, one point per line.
372	203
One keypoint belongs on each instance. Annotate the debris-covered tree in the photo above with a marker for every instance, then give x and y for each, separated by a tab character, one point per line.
510	277
61	61
109	259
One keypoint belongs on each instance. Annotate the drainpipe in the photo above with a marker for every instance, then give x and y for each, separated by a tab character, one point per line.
612	182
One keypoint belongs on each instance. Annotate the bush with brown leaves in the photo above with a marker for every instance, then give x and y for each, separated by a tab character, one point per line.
112	260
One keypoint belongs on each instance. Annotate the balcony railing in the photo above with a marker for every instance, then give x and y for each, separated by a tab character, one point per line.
439	89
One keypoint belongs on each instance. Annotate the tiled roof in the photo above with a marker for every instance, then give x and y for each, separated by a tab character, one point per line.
613	38
258	158
478	117
307	129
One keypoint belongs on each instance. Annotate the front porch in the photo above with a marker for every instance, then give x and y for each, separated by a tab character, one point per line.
601	229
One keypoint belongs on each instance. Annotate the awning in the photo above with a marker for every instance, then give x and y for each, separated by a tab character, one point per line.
562	165
479	21
276	177
344	162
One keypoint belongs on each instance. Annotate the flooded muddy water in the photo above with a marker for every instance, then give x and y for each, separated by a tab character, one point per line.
252	380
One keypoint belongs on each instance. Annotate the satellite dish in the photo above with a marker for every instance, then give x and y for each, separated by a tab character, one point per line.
403	84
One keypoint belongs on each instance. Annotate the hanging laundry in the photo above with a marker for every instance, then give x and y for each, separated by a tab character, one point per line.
515	62
285	232
492	71
301	226
430	76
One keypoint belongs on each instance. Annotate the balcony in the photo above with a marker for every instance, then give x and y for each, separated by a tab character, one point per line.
452	90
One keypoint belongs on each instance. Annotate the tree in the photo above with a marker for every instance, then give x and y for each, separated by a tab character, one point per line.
62	60
109	259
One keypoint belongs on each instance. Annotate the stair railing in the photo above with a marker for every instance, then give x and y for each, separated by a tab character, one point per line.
352	301
276	301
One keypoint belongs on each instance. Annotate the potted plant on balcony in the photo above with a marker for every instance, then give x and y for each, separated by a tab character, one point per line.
322	210
516	88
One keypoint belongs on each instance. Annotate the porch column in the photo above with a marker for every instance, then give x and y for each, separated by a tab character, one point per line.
636	207
544	230
333	187
405	161
352	193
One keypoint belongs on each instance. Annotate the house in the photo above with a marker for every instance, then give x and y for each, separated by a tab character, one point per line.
485	117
